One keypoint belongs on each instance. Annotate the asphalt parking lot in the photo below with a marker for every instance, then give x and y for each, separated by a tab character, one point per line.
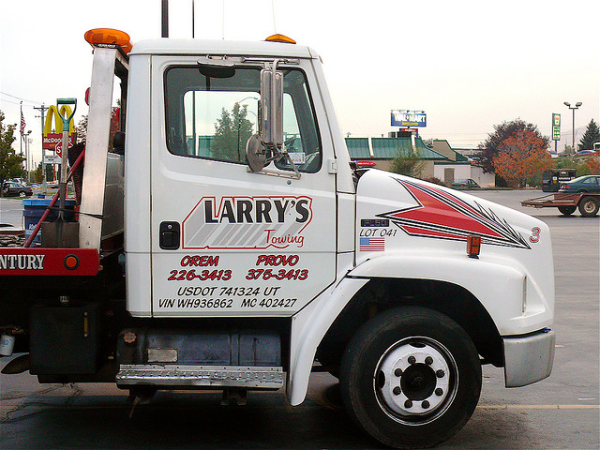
561	412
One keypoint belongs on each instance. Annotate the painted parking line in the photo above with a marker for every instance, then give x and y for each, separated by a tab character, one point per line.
12	407
539	407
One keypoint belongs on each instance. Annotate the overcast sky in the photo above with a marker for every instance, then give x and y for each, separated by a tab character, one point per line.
468	64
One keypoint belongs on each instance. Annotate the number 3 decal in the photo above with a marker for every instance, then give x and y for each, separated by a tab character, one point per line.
535	235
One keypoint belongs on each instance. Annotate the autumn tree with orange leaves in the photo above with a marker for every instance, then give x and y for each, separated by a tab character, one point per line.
593	165
521	156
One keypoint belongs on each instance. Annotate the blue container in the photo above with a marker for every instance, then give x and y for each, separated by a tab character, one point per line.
33	210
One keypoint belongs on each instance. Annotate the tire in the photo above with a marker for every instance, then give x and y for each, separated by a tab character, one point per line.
588	206
567	210
22	194
411	377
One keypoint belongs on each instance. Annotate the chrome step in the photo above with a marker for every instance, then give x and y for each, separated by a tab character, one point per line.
200	376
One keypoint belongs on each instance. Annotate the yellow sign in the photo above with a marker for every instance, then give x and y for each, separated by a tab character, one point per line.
50	139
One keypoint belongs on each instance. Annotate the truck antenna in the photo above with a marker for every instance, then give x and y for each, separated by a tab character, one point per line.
165	18
274	21
193	19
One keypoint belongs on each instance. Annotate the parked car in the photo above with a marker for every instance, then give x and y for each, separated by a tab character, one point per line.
587	153
465	183
586	183
11	188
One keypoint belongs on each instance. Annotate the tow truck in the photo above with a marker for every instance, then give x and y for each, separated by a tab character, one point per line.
234	246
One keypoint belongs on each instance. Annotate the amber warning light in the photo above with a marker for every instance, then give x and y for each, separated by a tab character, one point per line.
99	37
280	38
473	246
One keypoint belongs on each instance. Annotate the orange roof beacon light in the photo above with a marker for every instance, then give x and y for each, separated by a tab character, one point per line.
108	37
280	38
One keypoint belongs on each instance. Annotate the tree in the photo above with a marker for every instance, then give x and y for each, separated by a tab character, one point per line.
38	174
407	164
521	156
593	165
10	162
232	131
492	145
590	137
81	129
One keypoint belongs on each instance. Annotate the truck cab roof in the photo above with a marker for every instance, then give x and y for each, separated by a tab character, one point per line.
221	47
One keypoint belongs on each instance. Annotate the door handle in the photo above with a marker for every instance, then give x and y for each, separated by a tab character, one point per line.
170	233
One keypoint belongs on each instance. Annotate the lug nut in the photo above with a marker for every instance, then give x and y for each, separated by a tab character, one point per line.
429	360
412	360
439	392
440	373
398	372
425	404
397	391
129	338
408	404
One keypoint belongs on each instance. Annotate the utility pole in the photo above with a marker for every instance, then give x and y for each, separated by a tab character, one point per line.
21	129
42	110
574	108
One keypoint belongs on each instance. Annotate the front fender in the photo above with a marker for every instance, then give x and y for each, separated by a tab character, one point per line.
503	286
508	292
308	329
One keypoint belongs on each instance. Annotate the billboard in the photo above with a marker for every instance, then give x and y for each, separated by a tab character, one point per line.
408	118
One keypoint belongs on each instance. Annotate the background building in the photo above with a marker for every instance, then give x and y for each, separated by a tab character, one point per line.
441	161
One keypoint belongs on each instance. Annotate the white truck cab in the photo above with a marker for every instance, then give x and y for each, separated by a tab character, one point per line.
253	248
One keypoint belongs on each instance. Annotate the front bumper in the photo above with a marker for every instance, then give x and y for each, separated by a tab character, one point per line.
528	358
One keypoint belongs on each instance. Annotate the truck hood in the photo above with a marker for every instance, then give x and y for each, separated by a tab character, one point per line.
408	217
424	210
409	228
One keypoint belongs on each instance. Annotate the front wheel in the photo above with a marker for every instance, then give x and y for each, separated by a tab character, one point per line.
411	377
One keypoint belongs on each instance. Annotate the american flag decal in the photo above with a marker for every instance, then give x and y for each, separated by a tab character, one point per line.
372	244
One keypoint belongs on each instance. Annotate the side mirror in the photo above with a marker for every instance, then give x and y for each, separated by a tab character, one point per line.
256	154
271	120
269	146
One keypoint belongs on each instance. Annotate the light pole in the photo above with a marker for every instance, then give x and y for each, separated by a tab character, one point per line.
573	108
26	140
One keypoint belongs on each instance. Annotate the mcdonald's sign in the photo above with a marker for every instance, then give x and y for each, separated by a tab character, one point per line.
50	139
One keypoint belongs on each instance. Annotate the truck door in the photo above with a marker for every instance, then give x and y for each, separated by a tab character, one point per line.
226	241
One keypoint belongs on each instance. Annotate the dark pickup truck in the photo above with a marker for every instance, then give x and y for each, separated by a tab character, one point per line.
11	188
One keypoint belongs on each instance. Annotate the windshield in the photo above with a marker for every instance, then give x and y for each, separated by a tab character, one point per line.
583	179
213	118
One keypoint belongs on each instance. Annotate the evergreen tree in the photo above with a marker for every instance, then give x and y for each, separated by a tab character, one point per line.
10	162
590	137
231	134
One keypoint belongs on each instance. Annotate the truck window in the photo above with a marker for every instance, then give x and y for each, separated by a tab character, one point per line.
212	118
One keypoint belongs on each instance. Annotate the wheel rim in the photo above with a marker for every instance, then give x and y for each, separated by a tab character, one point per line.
416	380
589	206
